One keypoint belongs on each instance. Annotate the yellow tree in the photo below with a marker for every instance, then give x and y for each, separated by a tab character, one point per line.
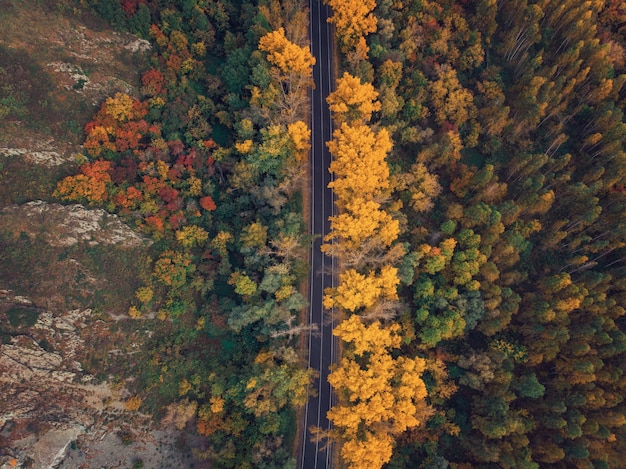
359	163
421	184
356	291
379	396
300	135
292	69
450	100
353	100
362	219
353	19
288	57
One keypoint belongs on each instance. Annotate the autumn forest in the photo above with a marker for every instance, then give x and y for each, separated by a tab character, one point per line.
479	170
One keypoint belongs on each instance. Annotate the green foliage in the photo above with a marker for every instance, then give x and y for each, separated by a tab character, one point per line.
20	317
493	101
213	181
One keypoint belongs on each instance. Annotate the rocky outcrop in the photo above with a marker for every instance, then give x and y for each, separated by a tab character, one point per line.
44	157
66	225
54	414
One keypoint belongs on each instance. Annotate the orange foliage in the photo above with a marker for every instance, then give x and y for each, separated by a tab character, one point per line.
89	185
153	83
207	203
118	126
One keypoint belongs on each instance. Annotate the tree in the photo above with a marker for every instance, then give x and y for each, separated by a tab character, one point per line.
361	222
356	291
292	71
278	381
353	20
359	163
352	101
90	185
451	101
379	396
289	58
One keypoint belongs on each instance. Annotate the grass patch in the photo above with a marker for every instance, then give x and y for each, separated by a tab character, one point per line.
80	276
23	182
24	87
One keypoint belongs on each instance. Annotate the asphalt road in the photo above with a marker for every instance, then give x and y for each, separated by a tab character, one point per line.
322	346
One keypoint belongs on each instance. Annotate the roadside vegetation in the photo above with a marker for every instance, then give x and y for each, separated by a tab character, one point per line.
207	162
501	270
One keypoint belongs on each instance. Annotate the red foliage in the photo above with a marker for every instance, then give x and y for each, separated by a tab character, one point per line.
121	200
153	82
174	175
125	171
152	184
208	203
118	127
156	223
98	170
176	147
449	126
209	426
177	219
187	160
130	7
134	194
168	194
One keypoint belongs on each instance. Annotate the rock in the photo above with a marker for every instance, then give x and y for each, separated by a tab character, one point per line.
48	158
50	450
138	45
66	225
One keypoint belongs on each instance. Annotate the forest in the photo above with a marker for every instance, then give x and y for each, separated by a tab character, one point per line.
480	177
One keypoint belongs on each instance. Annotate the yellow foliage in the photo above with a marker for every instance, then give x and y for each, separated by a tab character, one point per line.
372	452
288	57
133	403
451	101
217	404
184	387
284	292
163	169
423	188
254	235
195	186
91	184
134	312
353	100
353	20
364	338
359	162
357	291
199	49
300	134
362	220
244	147
144	294
220	242
191	235
383	396
120	107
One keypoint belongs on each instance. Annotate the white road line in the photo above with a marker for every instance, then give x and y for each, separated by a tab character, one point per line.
332	260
